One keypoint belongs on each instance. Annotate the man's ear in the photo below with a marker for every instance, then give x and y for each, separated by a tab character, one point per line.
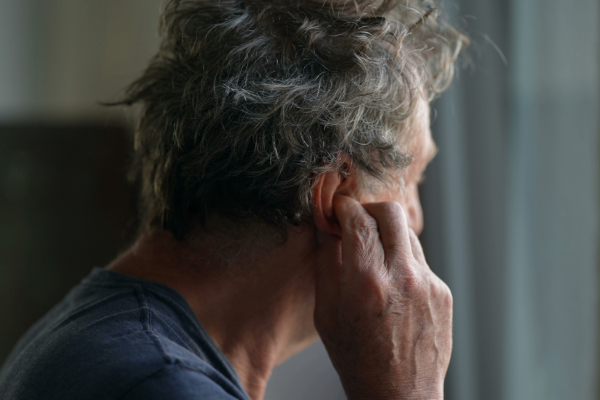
328	185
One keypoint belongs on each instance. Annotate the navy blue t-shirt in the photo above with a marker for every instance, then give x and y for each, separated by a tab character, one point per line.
117	337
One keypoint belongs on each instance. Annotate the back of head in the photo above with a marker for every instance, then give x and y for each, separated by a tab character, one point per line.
247	101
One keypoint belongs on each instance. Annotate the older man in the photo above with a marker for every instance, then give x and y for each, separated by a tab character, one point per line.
278	154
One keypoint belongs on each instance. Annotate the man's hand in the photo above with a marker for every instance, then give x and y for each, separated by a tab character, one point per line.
383	315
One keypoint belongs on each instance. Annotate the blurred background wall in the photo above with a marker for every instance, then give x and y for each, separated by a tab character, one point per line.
511	202
60	57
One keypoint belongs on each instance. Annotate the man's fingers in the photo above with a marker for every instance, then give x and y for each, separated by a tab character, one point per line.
361	248
393	229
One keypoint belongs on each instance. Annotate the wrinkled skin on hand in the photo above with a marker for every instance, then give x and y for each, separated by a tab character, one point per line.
385	318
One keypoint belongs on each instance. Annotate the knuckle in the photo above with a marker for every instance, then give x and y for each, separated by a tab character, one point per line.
448	296
374	294
442	292
411	282
446	290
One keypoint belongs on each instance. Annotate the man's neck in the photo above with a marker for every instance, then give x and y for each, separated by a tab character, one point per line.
256	302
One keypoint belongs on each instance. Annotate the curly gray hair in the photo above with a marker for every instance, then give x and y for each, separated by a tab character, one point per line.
247	101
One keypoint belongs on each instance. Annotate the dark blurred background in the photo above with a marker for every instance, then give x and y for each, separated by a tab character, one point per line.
64	206
511	201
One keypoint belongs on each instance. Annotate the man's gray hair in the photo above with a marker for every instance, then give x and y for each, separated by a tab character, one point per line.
248	101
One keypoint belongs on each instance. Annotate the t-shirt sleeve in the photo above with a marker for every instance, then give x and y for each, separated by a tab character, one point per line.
178	382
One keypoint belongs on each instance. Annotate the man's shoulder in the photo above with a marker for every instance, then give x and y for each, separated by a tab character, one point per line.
108	341
116	376
182	381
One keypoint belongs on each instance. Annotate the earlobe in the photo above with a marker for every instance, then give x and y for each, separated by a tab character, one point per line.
340	181
325	188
